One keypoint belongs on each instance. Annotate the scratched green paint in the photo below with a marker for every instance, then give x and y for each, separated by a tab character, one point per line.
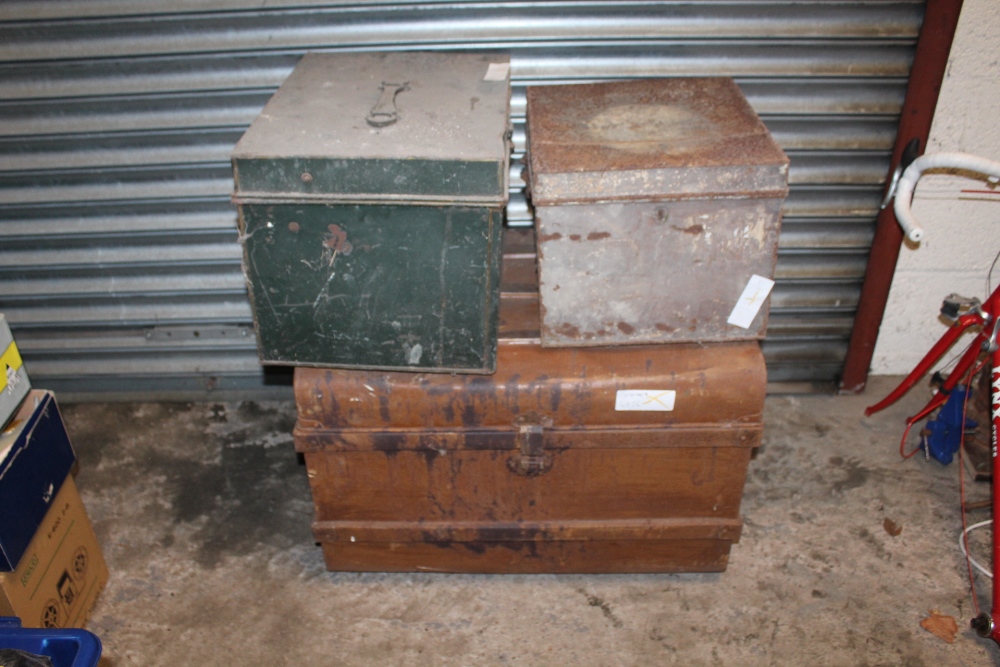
328	177
374	286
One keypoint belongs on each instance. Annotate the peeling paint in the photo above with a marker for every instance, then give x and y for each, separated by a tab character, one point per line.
336	240
693	229
668	284
415	353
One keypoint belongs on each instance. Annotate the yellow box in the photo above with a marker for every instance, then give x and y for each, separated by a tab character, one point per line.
60	575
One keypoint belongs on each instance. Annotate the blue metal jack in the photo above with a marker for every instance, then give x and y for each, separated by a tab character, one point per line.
943	434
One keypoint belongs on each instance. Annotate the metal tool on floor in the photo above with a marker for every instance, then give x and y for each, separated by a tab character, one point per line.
943	435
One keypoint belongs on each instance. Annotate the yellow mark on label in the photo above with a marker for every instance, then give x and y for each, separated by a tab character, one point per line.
750	302
655	398
752	298
659	400
11	357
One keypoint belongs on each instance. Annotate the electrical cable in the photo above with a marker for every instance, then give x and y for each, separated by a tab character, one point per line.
989	274
963	538
902	444
955	357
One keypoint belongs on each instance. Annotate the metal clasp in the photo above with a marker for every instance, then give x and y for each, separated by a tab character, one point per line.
384	112
910	153
532	460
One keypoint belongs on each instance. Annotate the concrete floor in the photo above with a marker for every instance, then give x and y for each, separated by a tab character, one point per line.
204	513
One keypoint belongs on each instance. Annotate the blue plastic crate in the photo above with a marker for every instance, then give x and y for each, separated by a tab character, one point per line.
65	647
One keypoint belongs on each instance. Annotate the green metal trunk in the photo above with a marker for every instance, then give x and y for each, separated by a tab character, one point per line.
371	192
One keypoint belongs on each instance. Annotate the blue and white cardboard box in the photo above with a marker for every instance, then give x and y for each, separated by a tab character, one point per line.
14	384
35	457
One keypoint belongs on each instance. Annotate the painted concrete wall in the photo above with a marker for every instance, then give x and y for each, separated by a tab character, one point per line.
962	232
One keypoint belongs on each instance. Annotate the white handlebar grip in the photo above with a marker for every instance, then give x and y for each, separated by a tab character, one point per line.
901	205
908	181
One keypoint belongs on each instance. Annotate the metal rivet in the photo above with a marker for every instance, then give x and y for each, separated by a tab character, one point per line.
307	177
293	226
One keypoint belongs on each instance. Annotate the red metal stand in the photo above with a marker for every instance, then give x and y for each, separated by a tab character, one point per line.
929	63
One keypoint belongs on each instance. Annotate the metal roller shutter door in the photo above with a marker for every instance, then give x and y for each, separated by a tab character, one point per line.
119	261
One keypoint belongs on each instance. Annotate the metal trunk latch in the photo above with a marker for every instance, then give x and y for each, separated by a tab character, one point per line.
384	112
532	459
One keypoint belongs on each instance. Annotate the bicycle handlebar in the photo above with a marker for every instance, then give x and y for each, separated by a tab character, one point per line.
908	181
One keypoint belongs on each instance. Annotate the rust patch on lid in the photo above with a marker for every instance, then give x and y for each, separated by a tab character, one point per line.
626	328
650	124
574	237
630	127
694	230
597	236
542	238
567	330
336	240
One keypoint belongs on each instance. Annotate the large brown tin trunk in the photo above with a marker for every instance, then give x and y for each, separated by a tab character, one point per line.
534	469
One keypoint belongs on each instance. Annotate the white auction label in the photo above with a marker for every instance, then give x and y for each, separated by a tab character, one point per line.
750	302
657	400
497	72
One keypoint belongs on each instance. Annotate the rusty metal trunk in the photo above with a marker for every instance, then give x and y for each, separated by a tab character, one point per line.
657	203
627	459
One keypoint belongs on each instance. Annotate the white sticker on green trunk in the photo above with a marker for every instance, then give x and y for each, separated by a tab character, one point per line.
656	400
497	72
750	302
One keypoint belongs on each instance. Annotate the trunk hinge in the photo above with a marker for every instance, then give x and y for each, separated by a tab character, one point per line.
532	460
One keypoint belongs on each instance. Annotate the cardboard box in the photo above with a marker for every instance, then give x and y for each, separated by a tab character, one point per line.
35	458
14	385
57	582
